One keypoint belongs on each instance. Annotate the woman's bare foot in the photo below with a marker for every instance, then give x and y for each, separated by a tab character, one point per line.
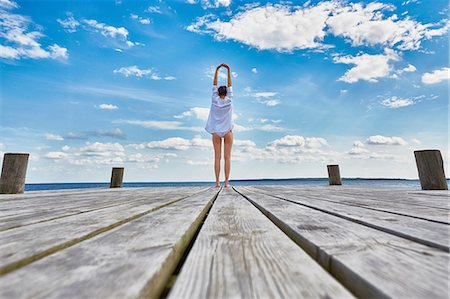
217	185
227	184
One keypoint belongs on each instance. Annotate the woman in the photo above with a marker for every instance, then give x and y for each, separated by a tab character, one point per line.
220	124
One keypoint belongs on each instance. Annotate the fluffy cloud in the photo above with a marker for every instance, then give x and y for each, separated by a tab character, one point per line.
368	67
286	28
134	71
383	140
107	107
98	153
199	112
20	37
117	35
436	76
154	9
69	24
396	102
298	141
141	20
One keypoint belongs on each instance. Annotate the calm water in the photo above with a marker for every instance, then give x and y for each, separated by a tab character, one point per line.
413	184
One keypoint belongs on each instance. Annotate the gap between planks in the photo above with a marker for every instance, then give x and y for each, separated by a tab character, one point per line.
368	224
54	249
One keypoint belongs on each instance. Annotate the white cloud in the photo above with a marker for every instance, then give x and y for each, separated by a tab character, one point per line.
141	20
409	69
54	137
69	24
107	30
56	155
176	143
367	25
254	70
416	141
383	140
298	141
199	112
436	76
264	97
8	4
108	107
271	27
154	9
18	39
117	35
395	102
161	125
367	67
135	71
285	27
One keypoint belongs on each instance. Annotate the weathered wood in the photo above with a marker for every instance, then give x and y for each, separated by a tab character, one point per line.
133	260
419	230
394	202
14	169
370	263
23	245
116	177
401	201
239	253
431	170
27	212
334	177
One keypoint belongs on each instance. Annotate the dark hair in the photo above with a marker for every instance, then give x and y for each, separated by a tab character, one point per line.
222	91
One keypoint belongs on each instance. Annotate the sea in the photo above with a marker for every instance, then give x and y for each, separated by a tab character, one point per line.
374	183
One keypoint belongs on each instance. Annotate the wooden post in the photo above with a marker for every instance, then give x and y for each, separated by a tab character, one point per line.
116	177
431	170
334	177
14	169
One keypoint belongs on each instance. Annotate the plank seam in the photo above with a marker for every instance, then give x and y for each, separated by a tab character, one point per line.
76	213
160	286
54	249
374	226
374	209
364	290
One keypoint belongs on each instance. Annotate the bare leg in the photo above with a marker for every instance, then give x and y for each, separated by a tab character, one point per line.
228	143
217	142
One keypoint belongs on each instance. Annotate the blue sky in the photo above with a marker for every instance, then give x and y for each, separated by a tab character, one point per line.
88	85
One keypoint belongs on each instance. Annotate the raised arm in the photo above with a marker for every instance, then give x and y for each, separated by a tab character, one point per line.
229	74
215	76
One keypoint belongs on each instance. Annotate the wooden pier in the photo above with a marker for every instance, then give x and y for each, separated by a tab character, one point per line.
240	242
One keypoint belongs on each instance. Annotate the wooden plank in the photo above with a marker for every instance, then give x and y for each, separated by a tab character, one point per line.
370	263
422	231
23	245
14	215
368	200
239	253
133	260
437	199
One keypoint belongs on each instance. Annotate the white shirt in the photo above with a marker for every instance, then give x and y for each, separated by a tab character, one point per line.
220	118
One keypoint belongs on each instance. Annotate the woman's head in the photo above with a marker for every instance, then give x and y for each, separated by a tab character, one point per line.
222	90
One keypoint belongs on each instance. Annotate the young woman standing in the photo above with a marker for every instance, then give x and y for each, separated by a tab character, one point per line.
220	124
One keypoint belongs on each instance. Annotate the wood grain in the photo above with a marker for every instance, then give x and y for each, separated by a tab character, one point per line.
133	260
239	253
370	263
23	245
416	229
